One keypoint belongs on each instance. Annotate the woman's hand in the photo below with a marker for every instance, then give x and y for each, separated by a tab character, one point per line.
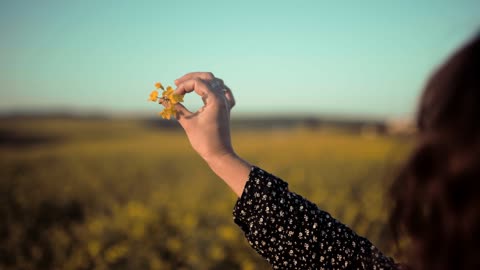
208	129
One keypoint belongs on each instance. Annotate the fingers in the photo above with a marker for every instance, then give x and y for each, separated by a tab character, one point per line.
229	97
216	84
191	85
183	114
207	76
205	84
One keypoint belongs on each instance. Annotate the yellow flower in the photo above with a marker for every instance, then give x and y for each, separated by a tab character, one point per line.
158	85
171	96
168	112
116	252
164	114
167	92
153	95
176	98
167	99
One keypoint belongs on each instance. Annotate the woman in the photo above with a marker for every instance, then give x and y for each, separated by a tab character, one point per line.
436	195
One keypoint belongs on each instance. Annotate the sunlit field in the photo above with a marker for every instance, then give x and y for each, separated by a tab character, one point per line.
121	194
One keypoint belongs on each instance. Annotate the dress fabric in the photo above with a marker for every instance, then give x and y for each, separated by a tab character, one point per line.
291	232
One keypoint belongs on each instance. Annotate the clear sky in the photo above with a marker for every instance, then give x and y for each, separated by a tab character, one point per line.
368	58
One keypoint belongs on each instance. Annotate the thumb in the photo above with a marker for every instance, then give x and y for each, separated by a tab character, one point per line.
183	114
229	96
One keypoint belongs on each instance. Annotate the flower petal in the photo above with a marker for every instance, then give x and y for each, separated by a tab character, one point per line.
153	96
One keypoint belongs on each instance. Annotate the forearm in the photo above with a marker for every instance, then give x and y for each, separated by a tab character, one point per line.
293	233
231	169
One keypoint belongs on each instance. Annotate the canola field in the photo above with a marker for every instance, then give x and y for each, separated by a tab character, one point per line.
120	194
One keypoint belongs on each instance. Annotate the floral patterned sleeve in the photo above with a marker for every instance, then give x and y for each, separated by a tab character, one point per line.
290	232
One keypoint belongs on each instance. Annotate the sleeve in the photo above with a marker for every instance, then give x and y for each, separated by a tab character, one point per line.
291	232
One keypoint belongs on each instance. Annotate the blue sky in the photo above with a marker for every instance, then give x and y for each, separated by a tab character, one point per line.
367	58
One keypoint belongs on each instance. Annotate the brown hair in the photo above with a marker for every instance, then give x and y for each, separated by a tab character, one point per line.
436	196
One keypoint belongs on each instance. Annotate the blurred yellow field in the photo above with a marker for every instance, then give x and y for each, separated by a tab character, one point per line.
119	194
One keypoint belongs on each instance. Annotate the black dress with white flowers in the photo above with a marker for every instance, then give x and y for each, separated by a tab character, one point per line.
290	232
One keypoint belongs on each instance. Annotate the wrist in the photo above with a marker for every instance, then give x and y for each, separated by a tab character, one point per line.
231	168
220	158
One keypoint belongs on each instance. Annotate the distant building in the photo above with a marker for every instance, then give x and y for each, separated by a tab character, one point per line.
401	126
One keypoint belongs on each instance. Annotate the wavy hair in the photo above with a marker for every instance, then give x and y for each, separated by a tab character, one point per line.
436	195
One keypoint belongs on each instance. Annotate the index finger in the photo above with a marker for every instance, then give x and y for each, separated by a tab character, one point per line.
197	85
207	76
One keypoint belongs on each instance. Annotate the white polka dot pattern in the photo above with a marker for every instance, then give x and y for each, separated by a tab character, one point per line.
292	233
